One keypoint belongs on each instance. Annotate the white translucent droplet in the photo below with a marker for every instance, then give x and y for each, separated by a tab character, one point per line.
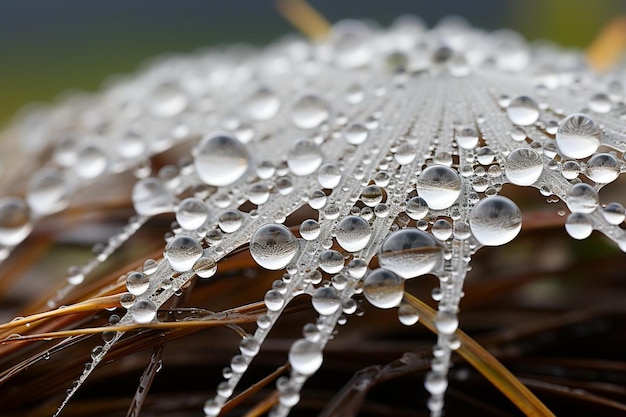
578	136
578	226
614	213
15	221
325	300
137	283
446	322
329	176
495	221
467	138
410	253
91	161
309	112
353	233
331	261
356	134
220	159
439	186
230	220
304	157
383	288
143	311
310	229
600	103
192	213
151	197
182	252
523	166
273	246
582	198
523	111
305	357
263	104
47	192
602	168
167	100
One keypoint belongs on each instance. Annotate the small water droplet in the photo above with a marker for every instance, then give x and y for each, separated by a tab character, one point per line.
220	159
523	166
304	157
578	136
310	111
383	288
182	252
410	253
143	311
273	246
523	111
305	357
439	186
495	221
353	233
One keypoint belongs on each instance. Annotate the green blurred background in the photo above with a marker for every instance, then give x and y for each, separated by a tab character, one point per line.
51	46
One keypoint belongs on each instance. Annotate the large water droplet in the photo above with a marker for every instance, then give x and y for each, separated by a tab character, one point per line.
439	186
329	176
523	111
263	104
383	288
353	233
495	220
15	221
309	112
582	198
602	168
578	136
578	226
150	197
273	246
137	283
305	357
182	252
410	253
220	159
523	166
143	311
192	213
325	300
304	157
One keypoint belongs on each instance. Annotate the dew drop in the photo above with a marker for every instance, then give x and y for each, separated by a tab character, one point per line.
495	221
182	252
356	134
602	168
410	253
143	311
407	314
273	246
582	198
151	197
372	195
309	112
167	100
192	213
383	288
205	267
578	226
523	111
331	261
329	176
15	221
230	220
326	301
220	159
304	157
467	138
310	229
353	233
91	162
578	136
600	103
274	300
523	166
446	322
305	357
263	104
416	208
137	283
439	186
47	192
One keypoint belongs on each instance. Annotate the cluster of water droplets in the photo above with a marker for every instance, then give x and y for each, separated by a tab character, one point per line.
395	142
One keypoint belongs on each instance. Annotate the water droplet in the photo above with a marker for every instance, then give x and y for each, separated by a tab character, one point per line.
127	300
220	159
329	176
143	311
578	136
192	213
442	230
273	246
578	226
305	357
405	154
356	134
182	252
205	267
383	288
15	221
495	221
600	103
137	282
570	169
353	233
416	208
317	199
523	166
304	157
47	192
523	111
167	100
439	186
325	300
309	112
331	261
274	300
230	220
582	198
310	229
91	162
263	104
150	197
249	346
407	314
436	383
602	168
614	213
467	138
446	322
372	195
410	253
